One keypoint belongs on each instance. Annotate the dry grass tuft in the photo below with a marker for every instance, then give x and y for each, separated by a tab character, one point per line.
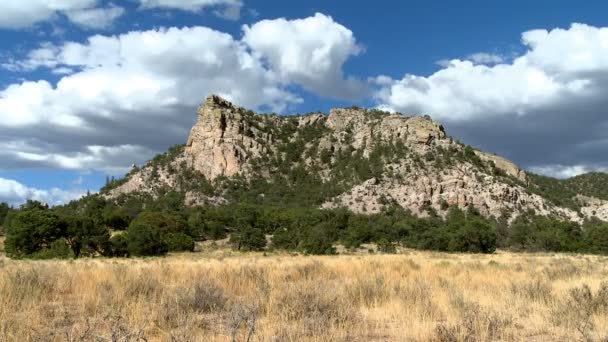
227	296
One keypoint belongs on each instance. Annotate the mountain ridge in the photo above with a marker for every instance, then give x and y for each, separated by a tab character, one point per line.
360	159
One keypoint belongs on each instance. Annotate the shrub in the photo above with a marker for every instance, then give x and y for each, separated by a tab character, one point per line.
32	230
143	240
208	296
317	305
178	242
318	241
58	249
119	246
249	239
386	246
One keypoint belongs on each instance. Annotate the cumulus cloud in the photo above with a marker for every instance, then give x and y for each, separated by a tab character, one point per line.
121	99
546	107
485	58
132	95
309	51
95	17
15	193
17	14
227	9
565	171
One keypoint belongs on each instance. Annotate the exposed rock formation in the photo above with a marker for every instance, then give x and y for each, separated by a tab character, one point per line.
430	171
505	165
223	139
593	207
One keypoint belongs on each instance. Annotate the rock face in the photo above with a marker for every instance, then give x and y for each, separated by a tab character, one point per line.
223	139
594	207
430	170
505	165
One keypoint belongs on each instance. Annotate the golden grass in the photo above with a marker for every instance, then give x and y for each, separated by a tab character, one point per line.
415	296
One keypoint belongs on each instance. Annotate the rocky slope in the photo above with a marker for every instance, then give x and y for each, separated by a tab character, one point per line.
364	160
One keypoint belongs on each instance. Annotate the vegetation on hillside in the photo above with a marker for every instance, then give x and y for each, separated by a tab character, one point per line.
279	201
145	226
562	192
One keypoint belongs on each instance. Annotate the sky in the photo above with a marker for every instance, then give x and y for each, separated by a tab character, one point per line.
90	87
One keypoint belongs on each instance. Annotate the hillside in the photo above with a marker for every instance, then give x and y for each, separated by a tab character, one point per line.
318	184
359	159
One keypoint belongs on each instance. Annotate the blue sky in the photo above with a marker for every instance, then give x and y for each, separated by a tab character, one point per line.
89	87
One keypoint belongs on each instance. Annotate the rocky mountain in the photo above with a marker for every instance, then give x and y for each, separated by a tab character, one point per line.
364	160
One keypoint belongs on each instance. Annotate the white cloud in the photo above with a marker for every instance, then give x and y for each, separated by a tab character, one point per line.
309	51
228	9
16	193
485	58
18	14
95	17
123	98
557	65
543	108
565	171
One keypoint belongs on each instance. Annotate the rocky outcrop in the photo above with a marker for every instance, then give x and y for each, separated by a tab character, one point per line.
461	186
431	171
502	164
593	207
223	139
365	126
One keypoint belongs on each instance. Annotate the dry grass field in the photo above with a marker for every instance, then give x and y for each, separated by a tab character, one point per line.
224	296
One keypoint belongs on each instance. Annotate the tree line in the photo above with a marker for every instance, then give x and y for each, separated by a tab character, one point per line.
98	227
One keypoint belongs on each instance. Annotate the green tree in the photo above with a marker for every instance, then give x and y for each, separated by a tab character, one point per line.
144	240
248	238
118	245
83	235
163	222
596	237
32	229
4	210
116	218
476	235
179	242
318	240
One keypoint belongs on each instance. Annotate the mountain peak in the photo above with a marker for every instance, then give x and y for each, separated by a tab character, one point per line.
360	159
216	101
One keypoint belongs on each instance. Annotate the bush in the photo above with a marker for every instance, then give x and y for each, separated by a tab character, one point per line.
318	241
386	246
31	230
58	249
249	239
179	242
119	246
143	240
476	236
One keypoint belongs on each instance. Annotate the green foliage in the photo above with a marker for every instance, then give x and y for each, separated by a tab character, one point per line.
58	249
32	229
318	240
540	233
595	237
4	210
118	245
84	236
161	222
178	242
116	218
248	238
555	190
593	184
144	240
562	192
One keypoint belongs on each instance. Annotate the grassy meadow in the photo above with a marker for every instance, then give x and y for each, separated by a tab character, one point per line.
220	295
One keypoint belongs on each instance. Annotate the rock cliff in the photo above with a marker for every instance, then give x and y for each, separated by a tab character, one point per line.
369	159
